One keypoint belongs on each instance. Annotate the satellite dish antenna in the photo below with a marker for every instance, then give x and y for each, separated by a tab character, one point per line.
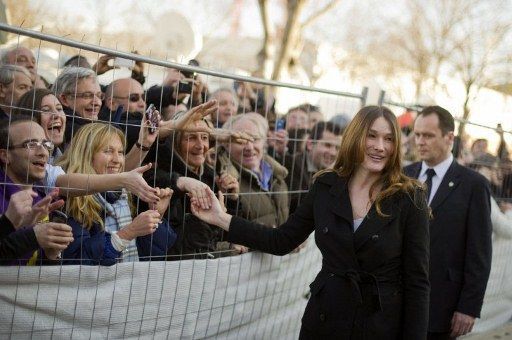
179	38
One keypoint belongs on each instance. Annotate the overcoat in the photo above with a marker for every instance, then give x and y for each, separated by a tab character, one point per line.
460	244
374	282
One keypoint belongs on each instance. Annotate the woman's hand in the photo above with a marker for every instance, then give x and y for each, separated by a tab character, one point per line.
135	183
195	189
21	212
144	224
165	197
192	115
229	184
239	249
216	215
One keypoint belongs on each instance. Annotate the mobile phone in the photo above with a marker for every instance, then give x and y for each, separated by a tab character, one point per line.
189	74
280	124
123	62
58	216
152	118
184	87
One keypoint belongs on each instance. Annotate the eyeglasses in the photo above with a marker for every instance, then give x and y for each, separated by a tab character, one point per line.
133	97
34	144
87	95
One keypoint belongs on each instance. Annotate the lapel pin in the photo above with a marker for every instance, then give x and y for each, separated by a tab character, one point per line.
450	184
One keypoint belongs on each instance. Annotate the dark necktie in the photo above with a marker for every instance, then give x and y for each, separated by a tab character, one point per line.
430	173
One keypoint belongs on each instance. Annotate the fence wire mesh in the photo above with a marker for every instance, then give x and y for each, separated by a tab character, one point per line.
205	288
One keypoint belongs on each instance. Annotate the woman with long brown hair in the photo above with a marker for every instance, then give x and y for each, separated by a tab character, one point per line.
371	225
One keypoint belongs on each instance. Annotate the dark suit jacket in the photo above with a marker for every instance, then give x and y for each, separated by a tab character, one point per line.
460	244
299	178
374	282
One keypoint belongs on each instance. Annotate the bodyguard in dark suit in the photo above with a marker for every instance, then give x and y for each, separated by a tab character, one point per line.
371	225
460	228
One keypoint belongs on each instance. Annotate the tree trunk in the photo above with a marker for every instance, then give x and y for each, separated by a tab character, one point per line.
466	111
291	36
266	55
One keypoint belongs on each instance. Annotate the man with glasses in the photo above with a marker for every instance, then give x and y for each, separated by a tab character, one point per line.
321	150
24	152
79	92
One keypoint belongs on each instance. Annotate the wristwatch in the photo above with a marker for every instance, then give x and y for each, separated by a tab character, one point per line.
142	147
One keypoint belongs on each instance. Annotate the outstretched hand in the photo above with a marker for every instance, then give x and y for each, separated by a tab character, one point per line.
135	183
196	190
216	214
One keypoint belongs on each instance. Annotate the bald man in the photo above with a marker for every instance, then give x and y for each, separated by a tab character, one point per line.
126	92
21	56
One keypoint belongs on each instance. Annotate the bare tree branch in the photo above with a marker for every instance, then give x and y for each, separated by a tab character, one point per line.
313	17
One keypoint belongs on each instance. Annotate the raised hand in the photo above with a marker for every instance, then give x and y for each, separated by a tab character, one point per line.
145	137
101	66
135	183
21	212
184	121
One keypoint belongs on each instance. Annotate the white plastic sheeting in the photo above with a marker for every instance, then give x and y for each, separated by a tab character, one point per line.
250	296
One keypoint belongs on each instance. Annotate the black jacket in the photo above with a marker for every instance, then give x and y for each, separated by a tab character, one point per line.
15	243
196	239
373	283
460	244
298	179
73	124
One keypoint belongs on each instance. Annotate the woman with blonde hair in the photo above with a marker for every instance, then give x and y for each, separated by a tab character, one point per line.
103	229
371	225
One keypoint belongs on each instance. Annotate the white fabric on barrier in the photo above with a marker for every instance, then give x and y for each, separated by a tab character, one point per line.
497	307
254	295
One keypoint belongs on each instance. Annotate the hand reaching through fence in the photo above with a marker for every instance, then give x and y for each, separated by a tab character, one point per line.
196	190
216	214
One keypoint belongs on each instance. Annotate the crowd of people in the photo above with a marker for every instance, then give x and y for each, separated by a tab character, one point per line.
98	174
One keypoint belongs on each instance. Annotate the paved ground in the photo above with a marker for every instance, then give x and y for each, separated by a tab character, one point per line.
503	333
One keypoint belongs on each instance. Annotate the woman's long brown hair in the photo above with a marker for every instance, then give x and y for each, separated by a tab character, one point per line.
353	148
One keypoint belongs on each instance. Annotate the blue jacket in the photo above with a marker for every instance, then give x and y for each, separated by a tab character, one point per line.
93	247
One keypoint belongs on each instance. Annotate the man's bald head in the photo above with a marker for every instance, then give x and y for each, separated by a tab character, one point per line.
126	92
21	56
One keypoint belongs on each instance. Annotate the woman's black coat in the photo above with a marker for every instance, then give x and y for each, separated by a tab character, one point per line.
373	283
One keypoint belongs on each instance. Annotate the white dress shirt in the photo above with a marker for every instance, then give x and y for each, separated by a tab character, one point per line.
440	170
